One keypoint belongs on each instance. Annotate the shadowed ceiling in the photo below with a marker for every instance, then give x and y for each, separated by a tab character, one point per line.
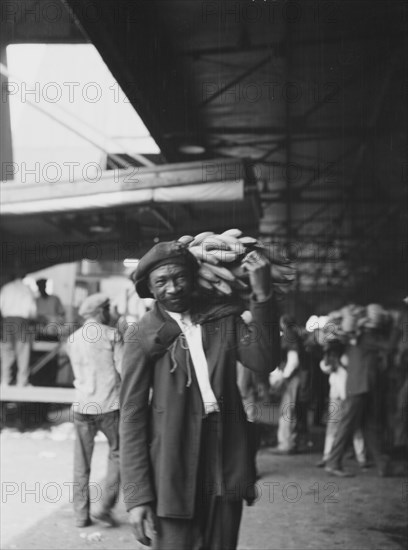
312	94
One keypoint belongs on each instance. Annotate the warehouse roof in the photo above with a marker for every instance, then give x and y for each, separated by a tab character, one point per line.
313	94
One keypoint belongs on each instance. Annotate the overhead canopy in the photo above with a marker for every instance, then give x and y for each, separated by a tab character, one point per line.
313	93
124	213
189	183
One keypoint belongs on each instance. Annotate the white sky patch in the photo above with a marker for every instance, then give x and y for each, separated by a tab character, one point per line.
53	87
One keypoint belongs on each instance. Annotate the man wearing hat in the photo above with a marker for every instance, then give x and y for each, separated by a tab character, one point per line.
94	351
50	311
186	461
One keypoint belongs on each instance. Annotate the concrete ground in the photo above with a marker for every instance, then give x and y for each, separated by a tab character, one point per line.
298	507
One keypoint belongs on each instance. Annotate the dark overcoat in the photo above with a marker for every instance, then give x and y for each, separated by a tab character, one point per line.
162	409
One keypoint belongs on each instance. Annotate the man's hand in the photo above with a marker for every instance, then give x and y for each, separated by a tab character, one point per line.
259	271
142	516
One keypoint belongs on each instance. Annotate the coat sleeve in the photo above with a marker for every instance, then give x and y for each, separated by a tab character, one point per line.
259	340
134	424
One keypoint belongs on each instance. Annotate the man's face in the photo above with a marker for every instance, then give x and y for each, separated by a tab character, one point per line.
171	285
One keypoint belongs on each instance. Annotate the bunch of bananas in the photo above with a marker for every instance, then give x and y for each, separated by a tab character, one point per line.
221	256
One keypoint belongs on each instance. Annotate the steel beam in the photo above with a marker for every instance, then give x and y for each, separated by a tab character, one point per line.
271	198
236	80
276	46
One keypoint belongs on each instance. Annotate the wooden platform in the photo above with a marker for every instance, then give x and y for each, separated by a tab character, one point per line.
43	345
37	394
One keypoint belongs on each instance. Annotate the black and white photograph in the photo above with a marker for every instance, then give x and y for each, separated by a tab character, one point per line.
204	274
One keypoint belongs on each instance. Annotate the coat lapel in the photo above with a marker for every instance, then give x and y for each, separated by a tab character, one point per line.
161	331
167	329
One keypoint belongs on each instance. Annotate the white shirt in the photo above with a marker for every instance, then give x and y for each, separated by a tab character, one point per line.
292	363
17	300
337	380
193	336
95	354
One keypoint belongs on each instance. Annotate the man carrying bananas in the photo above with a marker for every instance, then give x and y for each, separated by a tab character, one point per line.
185	458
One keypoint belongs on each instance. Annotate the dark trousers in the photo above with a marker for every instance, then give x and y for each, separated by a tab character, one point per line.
214	527
86	428
216	521
359	411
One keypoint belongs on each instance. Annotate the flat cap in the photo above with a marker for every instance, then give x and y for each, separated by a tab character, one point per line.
92	303
171	252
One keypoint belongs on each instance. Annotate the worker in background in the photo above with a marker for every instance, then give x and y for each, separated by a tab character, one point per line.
50	328
95	354
50	313
365	364
288	377
332	365
253	388
319	384
18	310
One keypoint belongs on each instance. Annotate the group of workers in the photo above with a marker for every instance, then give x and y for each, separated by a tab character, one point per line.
23	314
362	349
167	397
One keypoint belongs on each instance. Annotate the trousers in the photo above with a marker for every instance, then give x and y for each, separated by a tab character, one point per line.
86	428
359	411
288	422
15	346
214	527
216	521
336	407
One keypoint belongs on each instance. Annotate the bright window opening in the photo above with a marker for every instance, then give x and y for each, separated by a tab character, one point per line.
68	114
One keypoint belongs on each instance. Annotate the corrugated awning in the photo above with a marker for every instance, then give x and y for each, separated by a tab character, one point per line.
219	181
